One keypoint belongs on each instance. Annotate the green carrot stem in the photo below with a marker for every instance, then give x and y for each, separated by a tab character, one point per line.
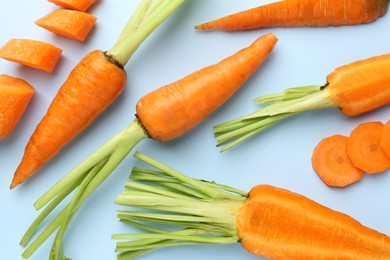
288	94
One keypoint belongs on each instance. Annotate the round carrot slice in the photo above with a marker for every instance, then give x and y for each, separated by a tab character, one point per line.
385	139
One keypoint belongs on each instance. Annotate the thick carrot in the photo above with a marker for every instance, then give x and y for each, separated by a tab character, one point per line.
331	162
69	23
36	54
162	115
15	95
79	5
351	88
268	221
364	149
298	13
385	139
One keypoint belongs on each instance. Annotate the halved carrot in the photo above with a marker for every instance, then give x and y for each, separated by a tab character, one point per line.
385	139
332	164
79	5
36	54
69	23
15	95
364	150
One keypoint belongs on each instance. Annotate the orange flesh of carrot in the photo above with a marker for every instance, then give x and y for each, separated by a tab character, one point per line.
280	224
79	5
15	95
364	149
69	23
91	87
294	13
32	53
332	164
200	93
385	139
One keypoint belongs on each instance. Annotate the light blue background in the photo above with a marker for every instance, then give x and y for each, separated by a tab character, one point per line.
280	156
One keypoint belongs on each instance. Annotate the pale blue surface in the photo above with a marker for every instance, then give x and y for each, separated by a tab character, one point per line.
280	156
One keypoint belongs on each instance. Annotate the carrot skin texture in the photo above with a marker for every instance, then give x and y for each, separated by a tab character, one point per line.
90	88
385	139
15	95
79	5
202	91
280	224
68	23
298	13
32	53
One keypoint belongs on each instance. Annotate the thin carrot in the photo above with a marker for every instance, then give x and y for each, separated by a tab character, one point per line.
69	23
385	139
351	88
364	149
298	13
36	54
331	162
162	115
79	5
268	221
15	95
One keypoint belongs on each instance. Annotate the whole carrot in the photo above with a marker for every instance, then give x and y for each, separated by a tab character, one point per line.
298	13
162	115
268	221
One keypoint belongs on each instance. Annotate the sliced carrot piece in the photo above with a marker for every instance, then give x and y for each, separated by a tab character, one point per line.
332	164
364	149
15	94
385	139
32	53
69	23
79	5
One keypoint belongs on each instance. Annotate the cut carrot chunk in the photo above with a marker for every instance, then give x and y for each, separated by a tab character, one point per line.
364	149
15	94
79	5
332	164
32	53
385	139
69	23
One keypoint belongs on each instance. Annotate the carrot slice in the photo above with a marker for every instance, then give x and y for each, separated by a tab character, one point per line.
15	94
364	150
385	139
69	23
32	53
79	5
332	164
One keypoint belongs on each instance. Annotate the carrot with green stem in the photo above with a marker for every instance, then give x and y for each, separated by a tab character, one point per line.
162	115
268	221
90	88
298	13
352	88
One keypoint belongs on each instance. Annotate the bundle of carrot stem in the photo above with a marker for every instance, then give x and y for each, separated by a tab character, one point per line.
162	115
268	221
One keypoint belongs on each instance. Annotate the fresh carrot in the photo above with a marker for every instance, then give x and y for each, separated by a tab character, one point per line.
385	139
268	221
162	115
298	13
351	88
15	95
331	162
69	23
96	81
36	54
79	5
364	149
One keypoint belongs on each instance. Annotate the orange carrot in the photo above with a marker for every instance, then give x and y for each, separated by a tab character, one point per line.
69	23
364	149
162	115
15	94
32	53
268	221
385	139
79	5
351	88
298	13
332	164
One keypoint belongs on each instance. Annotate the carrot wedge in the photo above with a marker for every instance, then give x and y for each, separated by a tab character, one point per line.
15	94
364	149
332	164
68	23
385	139
79	5
32	53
